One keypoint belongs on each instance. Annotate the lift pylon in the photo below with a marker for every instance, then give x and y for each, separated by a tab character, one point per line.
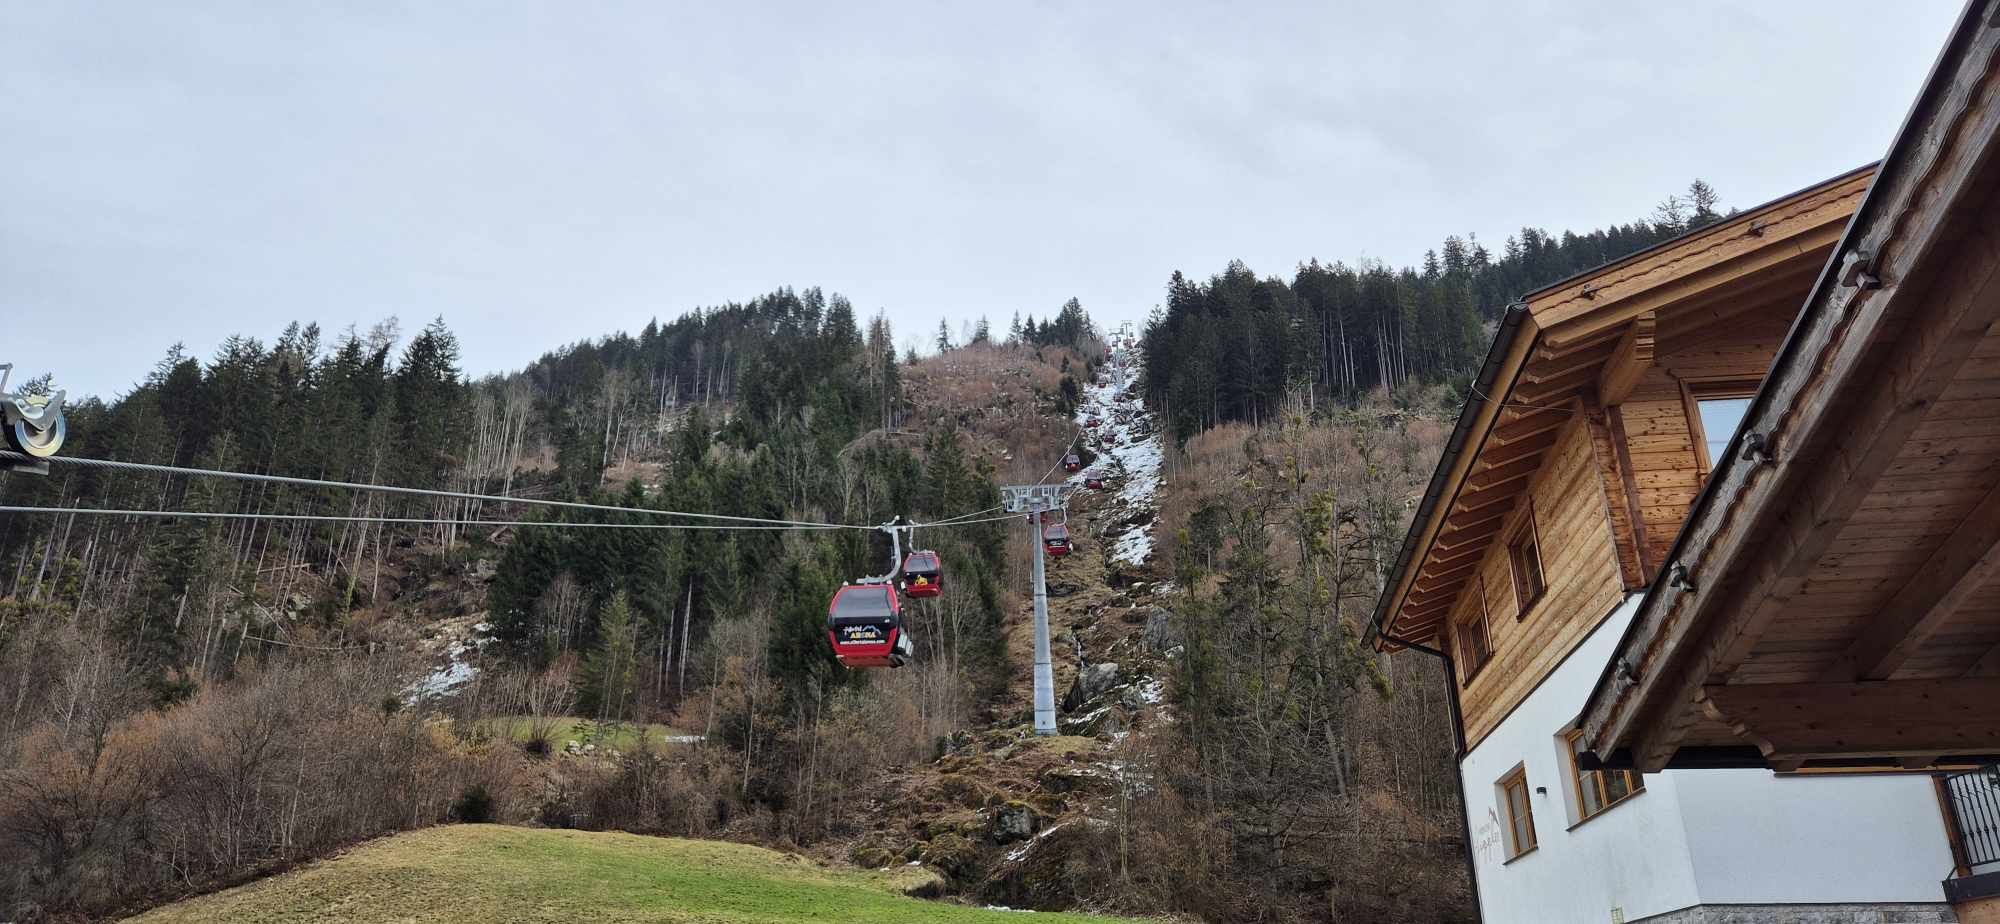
1037	500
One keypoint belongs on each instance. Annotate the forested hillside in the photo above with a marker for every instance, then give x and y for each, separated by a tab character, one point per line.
188	701
1232	348
167	679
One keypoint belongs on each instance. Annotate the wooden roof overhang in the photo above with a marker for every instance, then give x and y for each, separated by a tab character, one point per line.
1576	346
1836	603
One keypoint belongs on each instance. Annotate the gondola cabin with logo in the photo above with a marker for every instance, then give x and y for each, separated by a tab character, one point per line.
865	625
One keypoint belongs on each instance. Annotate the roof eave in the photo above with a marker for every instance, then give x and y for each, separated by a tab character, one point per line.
1394	589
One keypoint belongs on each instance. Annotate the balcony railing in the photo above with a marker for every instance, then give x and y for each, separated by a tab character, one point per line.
1974	799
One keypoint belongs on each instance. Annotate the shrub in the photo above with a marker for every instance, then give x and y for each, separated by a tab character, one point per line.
474	805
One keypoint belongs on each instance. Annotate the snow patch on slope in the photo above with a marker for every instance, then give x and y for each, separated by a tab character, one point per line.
1129	456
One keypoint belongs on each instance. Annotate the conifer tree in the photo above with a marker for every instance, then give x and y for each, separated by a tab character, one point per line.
611	672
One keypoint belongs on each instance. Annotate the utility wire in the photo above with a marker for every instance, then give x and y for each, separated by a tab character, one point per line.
435	521
428	521
151	469
964	519
957	520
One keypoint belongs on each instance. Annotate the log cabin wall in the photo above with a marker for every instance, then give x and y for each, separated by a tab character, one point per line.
1580	565
1656	419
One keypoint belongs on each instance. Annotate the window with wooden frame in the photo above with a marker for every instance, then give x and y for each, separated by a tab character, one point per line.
1474	647
1519	812
1524	558
1598	790
1715	411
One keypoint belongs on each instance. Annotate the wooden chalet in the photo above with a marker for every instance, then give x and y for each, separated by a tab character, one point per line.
1570	471
1727	506
1834	598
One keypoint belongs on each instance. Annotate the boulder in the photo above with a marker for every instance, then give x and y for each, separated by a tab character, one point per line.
871	857
1093	680
952	854
1098	678
485	570
1067	778
1104	720
1014	821
1160	634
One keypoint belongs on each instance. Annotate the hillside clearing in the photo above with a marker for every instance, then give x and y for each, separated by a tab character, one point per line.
623	736
499	873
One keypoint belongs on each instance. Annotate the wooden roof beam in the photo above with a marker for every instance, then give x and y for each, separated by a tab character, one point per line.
1629	360
1520	449
1529	424
1793	722
1419	612
1602	340
1502	474
1474	501
1420	599
1431	595
1540	392
1943	583
1454	541
1706	315
1469	518
1453	559
1432	582
1988	664
1552	366
1564	327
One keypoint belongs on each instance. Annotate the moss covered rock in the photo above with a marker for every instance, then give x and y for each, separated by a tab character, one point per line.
951	853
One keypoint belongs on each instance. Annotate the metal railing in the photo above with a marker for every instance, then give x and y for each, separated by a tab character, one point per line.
1974	799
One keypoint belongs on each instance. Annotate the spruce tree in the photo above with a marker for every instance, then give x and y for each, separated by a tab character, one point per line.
611	672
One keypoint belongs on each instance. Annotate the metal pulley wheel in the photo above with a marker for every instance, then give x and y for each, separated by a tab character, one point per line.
39	442
33	423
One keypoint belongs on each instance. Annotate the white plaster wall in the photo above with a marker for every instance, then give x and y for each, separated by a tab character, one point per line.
1633	857
1759	837
1693	836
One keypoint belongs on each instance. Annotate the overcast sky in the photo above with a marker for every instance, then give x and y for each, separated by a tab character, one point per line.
540	173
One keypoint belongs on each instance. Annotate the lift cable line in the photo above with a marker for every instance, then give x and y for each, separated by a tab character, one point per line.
152	469
440	521
426	521
864	620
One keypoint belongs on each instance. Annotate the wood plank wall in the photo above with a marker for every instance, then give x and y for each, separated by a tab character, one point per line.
1573	498
1580	563
1659	437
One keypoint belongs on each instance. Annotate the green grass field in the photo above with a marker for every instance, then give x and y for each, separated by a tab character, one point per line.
499	873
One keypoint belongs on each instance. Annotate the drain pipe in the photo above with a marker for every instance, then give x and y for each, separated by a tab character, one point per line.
1457	758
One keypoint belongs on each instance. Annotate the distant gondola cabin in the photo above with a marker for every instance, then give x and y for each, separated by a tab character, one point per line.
1055	539
923	574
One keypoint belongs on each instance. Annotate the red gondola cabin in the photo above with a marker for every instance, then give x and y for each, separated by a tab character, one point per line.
865	625
923	574
1094	483
1072	463
1055	539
